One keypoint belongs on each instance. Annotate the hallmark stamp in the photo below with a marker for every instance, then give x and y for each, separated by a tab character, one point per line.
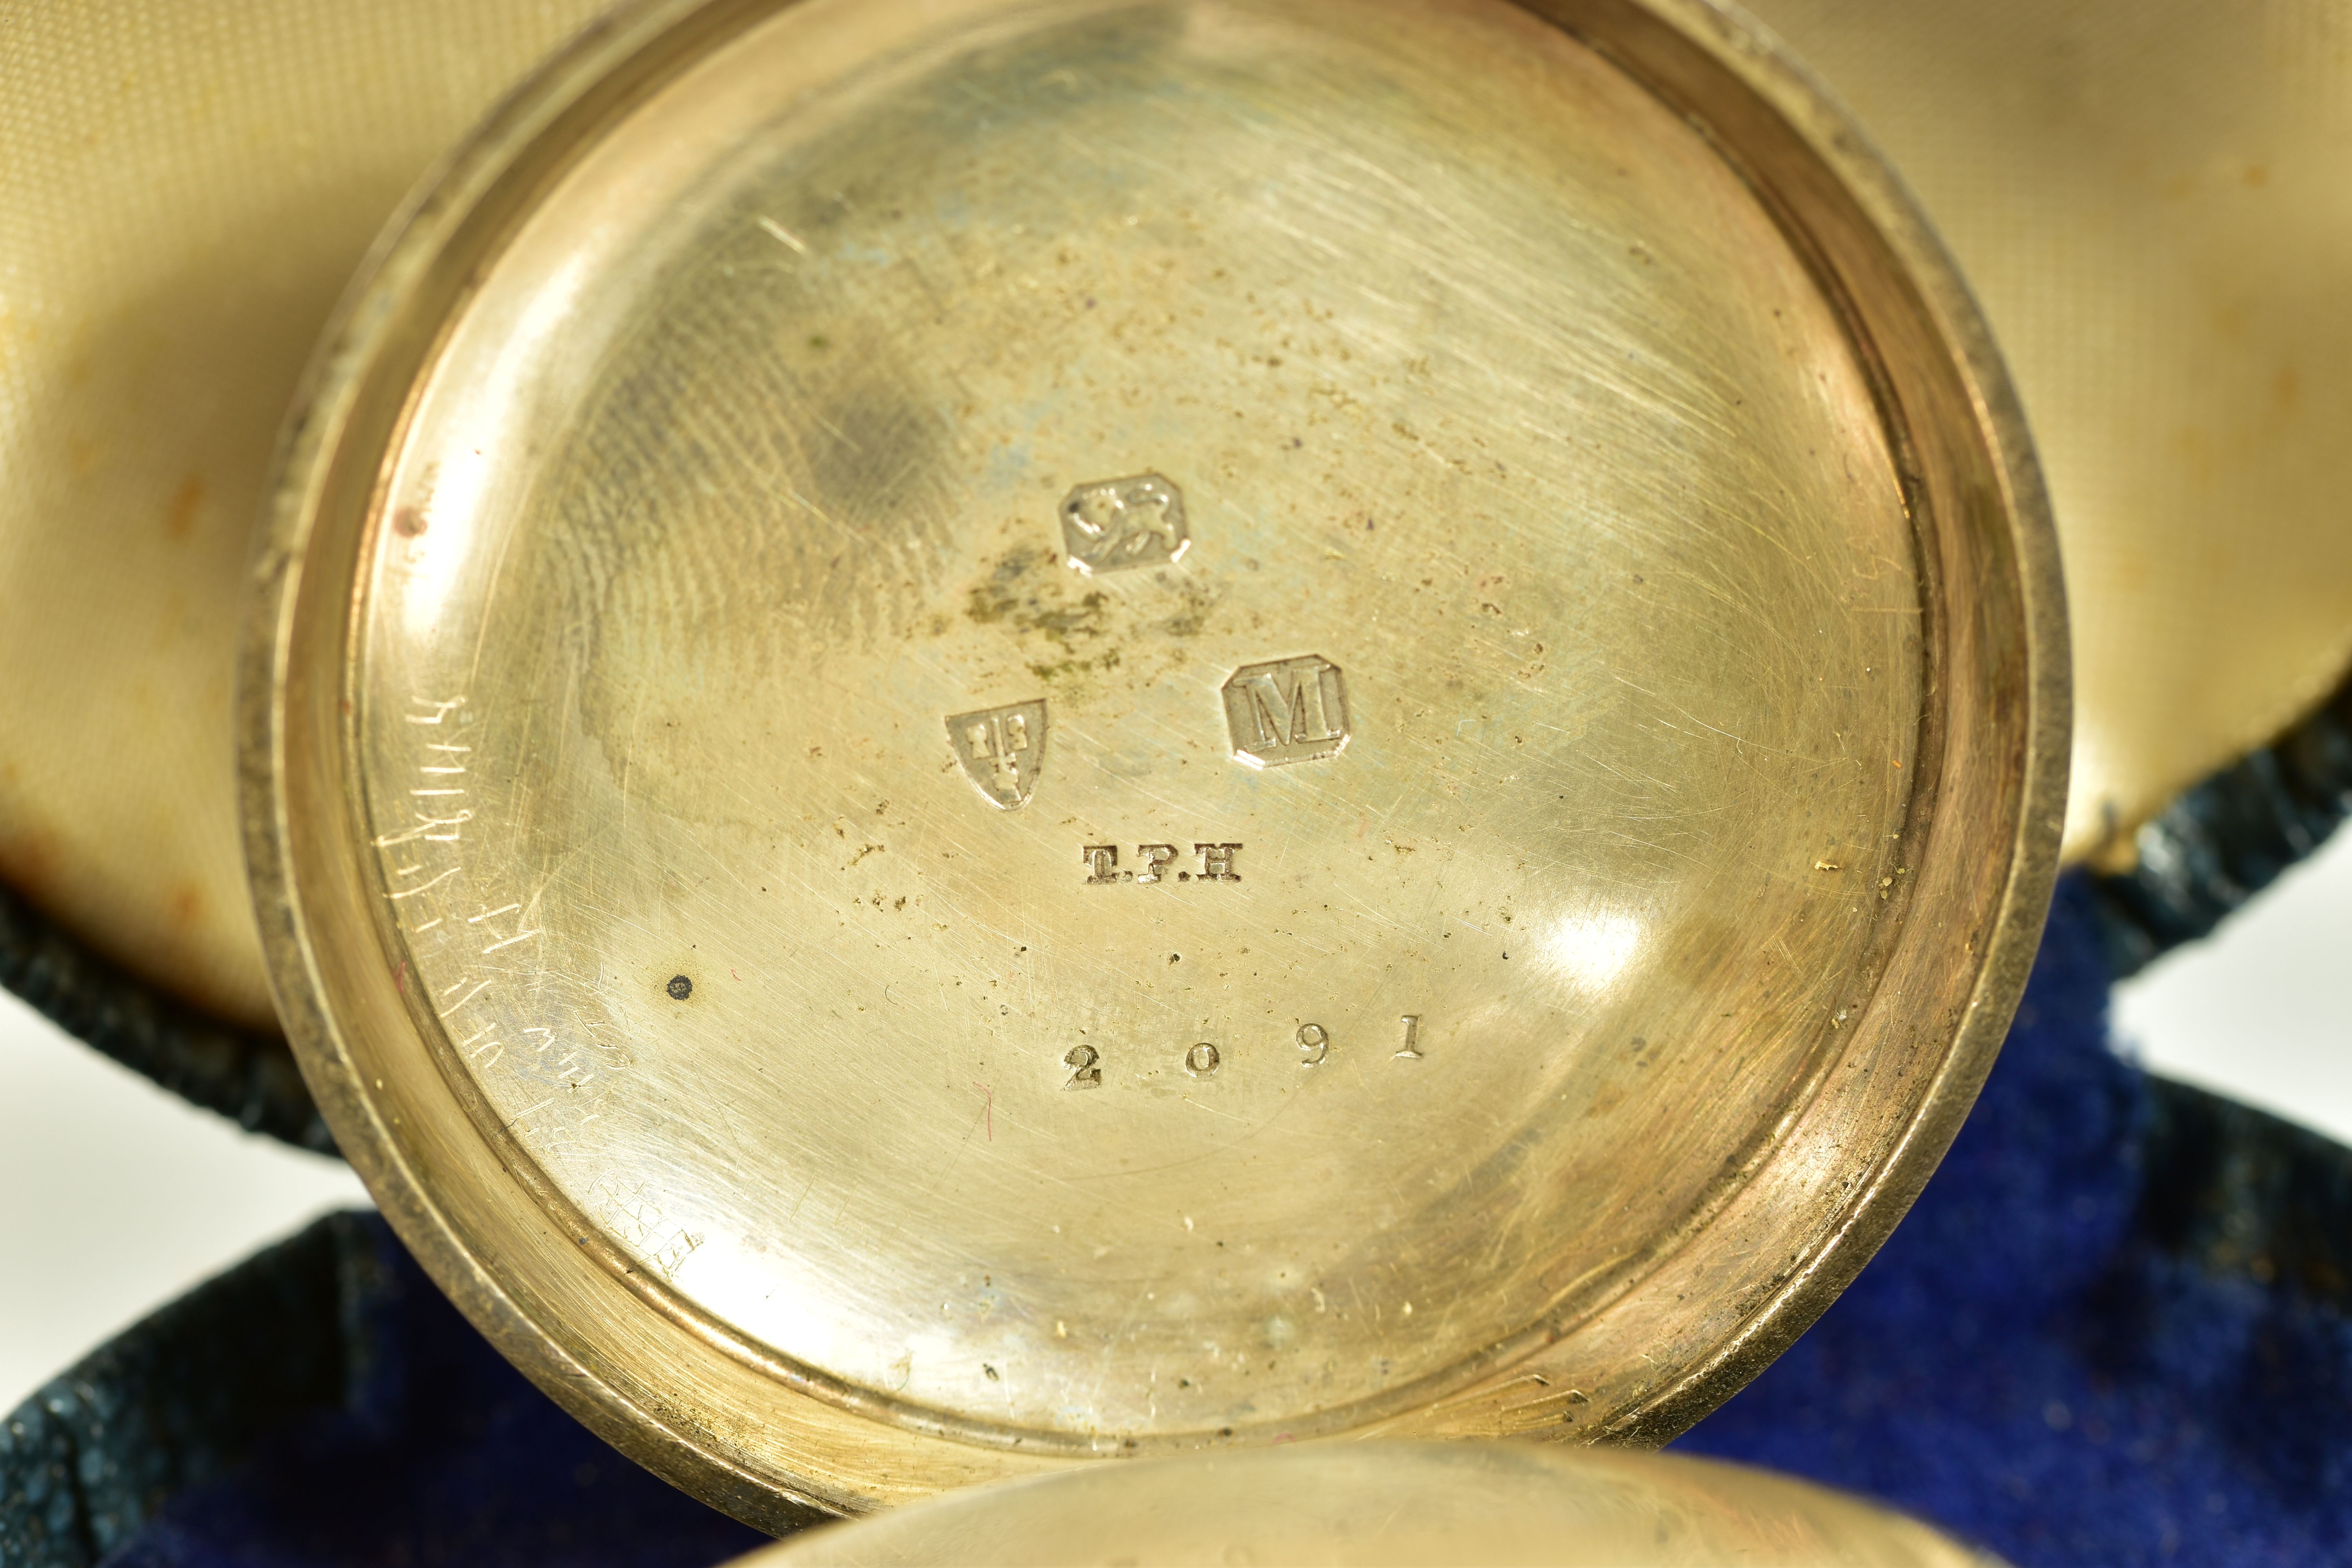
1115	525
1101	861
1002	750
1290	711
1216	863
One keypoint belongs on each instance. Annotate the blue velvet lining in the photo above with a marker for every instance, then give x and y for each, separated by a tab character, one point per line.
2033	1361
441	1454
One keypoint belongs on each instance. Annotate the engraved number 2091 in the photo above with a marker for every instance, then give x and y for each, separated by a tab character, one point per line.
1085	1062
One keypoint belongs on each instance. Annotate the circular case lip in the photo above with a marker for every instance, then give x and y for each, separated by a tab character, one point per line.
1473	1501
731	1424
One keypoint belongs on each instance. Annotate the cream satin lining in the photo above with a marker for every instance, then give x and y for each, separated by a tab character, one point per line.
186	186
2153	200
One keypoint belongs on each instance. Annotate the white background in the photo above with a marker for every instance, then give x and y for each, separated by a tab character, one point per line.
116	1197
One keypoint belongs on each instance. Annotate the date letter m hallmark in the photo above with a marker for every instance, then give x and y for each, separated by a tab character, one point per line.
1002	749
1290	711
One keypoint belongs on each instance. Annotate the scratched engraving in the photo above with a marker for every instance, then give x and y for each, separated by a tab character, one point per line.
633	1216
471	945
441	908
1002	750
1115	525
1287	710
435	816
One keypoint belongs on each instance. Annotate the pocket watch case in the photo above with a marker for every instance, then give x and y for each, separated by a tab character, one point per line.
988	733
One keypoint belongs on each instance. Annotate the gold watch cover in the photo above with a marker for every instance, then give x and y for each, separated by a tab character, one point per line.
1390	1505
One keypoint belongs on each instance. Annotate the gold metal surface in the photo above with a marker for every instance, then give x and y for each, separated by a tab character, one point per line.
989	733
1372	1505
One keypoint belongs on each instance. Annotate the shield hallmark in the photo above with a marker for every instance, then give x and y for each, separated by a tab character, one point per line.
1002	749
